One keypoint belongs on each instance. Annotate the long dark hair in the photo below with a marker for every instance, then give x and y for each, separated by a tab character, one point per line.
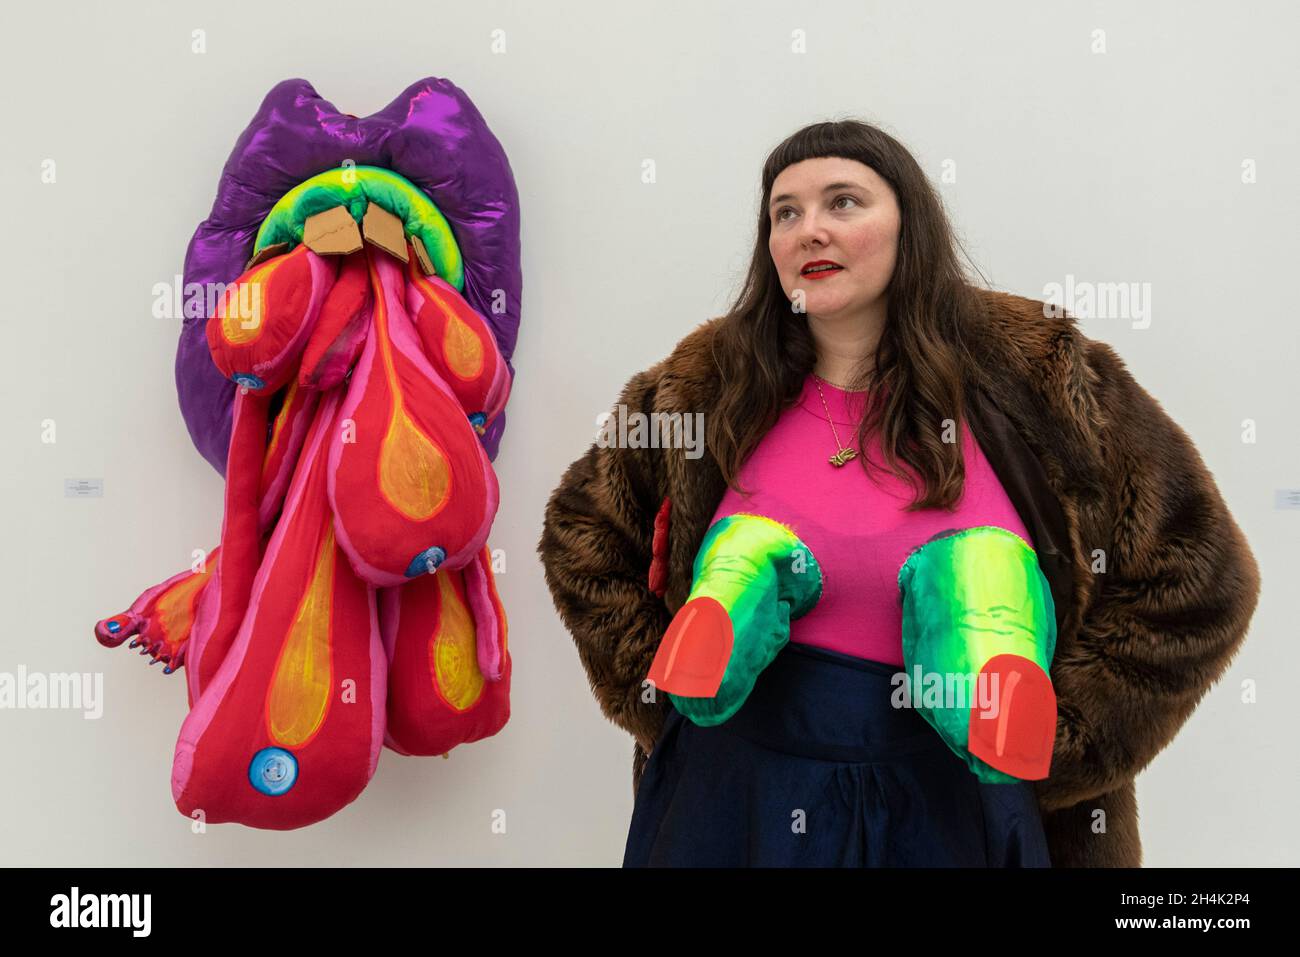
764	350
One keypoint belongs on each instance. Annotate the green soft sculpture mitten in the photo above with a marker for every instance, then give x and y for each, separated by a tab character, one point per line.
752	577
979	633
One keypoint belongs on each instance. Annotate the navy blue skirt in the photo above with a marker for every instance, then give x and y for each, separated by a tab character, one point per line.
817	769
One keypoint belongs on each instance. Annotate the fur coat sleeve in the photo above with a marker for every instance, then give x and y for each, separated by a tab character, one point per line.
596	552
1174	586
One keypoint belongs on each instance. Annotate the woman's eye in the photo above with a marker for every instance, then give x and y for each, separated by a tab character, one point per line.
781	217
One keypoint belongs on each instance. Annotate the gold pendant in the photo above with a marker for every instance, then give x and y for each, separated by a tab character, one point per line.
842	456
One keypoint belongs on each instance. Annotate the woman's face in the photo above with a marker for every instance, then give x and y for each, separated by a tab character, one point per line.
834	210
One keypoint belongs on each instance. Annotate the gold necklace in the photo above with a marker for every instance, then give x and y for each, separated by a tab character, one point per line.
845	453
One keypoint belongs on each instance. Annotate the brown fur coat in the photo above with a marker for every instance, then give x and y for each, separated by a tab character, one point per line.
1097	471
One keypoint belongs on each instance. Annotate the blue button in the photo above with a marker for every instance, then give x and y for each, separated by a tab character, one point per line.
273	771
426	562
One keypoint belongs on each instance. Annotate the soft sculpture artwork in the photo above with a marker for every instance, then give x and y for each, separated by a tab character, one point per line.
351	603
979	634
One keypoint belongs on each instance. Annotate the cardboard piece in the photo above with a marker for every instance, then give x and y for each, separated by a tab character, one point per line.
332	233
381	228
267	252
422	255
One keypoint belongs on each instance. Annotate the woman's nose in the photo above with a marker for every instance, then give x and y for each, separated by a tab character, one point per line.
811	229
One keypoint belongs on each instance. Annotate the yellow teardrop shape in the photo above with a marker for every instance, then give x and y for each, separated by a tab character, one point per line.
243	306
461	347
454	650
176	608
300	690
414	475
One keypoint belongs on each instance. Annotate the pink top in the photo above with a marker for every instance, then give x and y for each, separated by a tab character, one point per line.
855	525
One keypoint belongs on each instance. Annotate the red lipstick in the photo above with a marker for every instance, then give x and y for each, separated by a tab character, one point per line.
817	272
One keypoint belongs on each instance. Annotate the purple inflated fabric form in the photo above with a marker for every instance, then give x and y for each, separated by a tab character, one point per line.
433	135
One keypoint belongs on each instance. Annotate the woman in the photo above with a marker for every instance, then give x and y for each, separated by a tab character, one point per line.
829	394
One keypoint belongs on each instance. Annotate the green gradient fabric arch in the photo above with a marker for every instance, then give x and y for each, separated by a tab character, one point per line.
355	188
